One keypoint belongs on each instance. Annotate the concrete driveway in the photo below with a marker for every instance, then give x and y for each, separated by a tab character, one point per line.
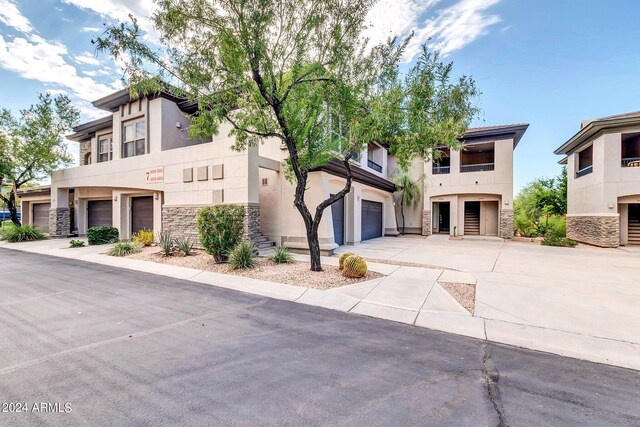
584	291
127	348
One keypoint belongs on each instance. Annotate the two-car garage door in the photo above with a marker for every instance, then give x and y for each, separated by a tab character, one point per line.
100	213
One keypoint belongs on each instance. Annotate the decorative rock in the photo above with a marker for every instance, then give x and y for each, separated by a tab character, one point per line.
595	230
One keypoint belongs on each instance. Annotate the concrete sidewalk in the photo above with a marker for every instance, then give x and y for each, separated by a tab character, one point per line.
409	295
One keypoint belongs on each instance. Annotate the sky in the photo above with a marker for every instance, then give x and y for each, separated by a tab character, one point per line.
549	63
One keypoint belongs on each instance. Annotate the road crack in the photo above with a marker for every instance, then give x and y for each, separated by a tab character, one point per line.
491	378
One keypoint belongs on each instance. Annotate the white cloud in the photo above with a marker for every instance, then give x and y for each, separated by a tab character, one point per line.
86	58
89	29
447	29
10	15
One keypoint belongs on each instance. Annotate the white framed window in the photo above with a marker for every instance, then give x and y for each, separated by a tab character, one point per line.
105	148
133	139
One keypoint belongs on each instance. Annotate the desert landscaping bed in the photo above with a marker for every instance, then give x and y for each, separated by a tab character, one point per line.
296	273
464	293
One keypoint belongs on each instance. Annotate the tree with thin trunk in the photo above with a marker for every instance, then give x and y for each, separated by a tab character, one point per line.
32	145
408	191
300	72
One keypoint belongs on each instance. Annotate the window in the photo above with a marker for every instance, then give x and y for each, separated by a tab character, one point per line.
478	157
630	150
105	148
87	158
585	162
441	161
133	141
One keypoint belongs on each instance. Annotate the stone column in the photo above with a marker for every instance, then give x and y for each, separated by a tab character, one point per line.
252	222
426	223
59	222
507	228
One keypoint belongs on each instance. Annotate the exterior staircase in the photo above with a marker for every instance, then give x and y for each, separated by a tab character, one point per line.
472	220
262	244
634	227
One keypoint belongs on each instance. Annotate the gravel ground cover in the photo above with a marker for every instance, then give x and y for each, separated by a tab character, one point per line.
464	293
296	273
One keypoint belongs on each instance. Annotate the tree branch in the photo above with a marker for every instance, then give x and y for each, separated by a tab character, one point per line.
252	132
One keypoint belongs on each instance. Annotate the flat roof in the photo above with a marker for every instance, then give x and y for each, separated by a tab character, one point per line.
593	127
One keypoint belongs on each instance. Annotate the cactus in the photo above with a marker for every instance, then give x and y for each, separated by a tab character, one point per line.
342	257
354	266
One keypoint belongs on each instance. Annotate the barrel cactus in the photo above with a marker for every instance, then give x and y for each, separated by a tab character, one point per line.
342	257
354	266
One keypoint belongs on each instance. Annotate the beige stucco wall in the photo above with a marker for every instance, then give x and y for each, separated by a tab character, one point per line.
413	213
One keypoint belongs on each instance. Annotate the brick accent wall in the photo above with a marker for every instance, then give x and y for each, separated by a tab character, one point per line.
595	230
181	222
426	223
85	147
59	222
507	229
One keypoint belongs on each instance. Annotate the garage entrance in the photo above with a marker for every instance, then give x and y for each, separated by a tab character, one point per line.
371	220
40	215
337	212
99	213
141	213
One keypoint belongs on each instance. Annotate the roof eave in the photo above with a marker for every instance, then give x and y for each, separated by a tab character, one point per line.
587	132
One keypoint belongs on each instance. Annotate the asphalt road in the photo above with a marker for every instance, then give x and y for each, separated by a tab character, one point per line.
126	348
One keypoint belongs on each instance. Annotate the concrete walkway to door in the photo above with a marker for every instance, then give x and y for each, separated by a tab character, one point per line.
570	301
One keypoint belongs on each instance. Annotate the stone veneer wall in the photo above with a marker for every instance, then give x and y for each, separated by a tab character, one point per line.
507	228
595	230
181	222
59	222
85	147
426	223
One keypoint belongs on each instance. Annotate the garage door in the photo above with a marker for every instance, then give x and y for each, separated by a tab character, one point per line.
371	220
41	216
337	212
141	214
99	213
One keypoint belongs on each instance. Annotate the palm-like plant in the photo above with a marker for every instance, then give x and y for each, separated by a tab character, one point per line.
408	191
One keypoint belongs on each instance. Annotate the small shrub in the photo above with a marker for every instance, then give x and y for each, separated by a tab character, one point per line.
124	248
143	237
23	233
165	241
76	243
5	227
342	257
282	256
185	245
354	266
552	239
220	229
242	256
102	235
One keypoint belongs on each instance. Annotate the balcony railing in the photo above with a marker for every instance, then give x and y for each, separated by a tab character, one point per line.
479	167
584	171
373	165
439	170
631	162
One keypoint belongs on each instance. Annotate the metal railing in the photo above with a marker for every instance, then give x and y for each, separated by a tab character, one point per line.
373	165
439	170
584	171
480	167
631	162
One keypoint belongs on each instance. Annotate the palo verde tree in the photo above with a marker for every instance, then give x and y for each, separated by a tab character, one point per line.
32	145
297	71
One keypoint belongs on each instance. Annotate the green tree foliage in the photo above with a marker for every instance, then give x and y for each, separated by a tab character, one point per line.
32	145
298	71
541	206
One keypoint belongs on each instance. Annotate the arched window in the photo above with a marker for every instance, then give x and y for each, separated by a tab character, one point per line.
87	158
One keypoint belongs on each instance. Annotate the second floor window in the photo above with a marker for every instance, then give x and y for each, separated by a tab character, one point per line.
133	141
441	161
585	162
105	149
477	157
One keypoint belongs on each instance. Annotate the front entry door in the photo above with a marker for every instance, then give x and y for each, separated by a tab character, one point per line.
141	213
444	217
490	217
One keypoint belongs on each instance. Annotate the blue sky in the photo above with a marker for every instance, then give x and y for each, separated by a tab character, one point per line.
548	63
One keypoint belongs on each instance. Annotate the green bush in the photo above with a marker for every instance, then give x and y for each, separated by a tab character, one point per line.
165	241
282	256
102	235
124	248
185	245
4	228
242	256
143	237
220	229
25	233
76	243
551	239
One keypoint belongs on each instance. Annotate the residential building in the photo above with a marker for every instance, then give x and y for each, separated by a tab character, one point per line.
603	168
469	192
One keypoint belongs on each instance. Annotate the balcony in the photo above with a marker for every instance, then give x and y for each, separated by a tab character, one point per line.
584	171
480	167
373	165
631	162
440	170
